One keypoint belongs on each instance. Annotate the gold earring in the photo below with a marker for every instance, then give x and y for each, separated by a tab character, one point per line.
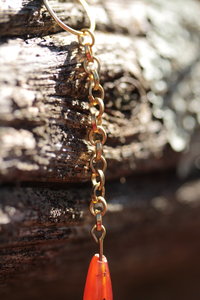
98	283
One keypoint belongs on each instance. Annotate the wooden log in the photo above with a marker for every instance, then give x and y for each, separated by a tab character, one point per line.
152	237
44	109
152	111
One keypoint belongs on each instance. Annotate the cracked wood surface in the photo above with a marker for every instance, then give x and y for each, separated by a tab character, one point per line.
150	71
151	100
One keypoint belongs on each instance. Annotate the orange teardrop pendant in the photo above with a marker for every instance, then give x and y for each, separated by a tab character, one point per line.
98	283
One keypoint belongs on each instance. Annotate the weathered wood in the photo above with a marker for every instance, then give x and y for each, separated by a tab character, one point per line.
151	235
152	111
44	110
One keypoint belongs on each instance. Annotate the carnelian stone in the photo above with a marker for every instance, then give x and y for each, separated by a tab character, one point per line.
98	283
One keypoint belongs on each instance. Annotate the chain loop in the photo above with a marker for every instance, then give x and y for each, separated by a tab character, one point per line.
98	150
98	207
94	123
98	175
95	78
91	66
88	53
98	222
86	37
100	132
98	90
98	102
95	190
94	161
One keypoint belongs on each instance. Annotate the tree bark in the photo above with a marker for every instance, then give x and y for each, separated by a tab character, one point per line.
152	237
44	109
150	63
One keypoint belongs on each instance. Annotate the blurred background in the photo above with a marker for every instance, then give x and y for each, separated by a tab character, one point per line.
150	70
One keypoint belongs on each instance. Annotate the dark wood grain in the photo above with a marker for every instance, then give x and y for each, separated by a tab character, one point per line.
153	234
151	92
150	69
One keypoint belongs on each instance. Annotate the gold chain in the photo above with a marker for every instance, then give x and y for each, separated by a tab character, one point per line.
97	137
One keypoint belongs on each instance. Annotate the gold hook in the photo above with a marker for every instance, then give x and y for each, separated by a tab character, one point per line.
68	28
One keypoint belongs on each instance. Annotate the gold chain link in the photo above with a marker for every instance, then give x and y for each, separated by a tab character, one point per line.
97	137
97	134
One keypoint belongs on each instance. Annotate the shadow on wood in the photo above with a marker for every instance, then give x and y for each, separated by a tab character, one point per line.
150	72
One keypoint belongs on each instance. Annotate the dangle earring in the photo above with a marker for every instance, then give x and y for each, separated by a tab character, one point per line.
98	283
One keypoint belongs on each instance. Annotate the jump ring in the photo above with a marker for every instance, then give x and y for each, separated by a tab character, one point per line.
99	130
96	89
102	160
89	70
94	192
100	174
100	103
88	53
86	32
104	206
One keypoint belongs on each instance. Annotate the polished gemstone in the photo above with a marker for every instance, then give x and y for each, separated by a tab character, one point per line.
98	283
